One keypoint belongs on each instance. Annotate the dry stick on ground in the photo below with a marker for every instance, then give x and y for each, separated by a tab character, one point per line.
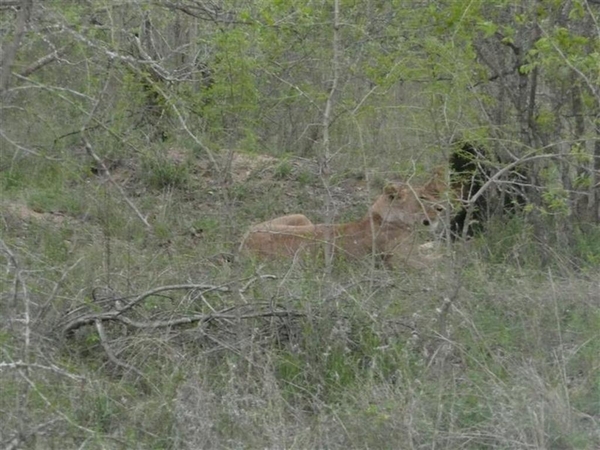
46	400
50	300
118	314
226	314
115	315
50	368
111	355
19	439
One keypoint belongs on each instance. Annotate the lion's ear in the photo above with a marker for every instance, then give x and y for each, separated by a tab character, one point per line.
394	191
436	184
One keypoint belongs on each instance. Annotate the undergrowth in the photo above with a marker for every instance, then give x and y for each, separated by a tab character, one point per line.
495	346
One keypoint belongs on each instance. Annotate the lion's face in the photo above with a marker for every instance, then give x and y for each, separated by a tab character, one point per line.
403	204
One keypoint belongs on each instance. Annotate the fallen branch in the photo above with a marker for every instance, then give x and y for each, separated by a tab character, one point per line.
17	440
45	399
111	355
117	316
51	368
119	313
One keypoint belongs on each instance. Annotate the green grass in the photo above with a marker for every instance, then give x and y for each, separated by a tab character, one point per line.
367	364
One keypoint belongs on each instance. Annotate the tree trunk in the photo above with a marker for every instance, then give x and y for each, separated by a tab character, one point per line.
9	50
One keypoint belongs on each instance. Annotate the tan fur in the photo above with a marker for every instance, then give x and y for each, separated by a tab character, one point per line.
387	226
436	185
292	219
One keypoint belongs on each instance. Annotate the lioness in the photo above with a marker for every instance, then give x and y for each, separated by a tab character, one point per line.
387	225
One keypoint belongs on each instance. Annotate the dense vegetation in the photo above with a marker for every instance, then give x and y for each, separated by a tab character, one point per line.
140	139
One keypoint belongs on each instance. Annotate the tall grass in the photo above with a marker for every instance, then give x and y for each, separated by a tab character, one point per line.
491	347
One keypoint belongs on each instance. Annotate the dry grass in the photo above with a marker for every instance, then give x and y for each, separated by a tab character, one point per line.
466	354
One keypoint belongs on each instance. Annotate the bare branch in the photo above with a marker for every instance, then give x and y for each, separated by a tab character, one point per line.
9	3
118	314
90	151
51	368
113	358
508	167
43	61
201	287
205	318
171	103
47	87
54	292
325	157
15	442
19	147
45	399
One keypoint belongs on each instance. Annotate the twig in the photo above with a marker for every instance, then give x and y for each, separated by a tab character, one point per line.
47	401
13	443
180	117
492	179
25	149
90	152
9	253
43	61
50	300
202	287
51	368
113	358
117	316
255	279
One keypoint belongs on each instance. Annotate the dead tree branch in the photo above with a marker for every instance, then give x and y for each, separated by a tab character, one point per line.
50	368
111	355
43	61
17	440
119	314
493	179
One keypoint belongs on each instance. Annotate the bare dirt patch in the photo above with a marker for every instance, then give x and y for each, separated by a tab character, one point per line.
243	166
24	213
